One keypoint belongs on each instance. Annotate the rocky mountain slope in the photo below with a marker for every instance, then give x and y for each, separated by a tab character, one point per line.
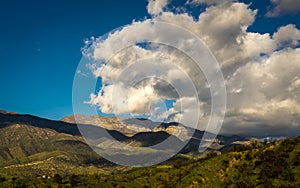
29	140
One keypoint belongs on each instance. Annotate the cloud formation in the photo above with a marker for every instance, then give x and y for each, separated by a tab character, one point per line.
264	95
284	7
261	70
156	6
287	36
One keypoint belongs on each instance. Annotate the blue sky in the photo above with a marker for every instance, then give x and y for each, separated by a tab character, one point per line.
40	48
41	41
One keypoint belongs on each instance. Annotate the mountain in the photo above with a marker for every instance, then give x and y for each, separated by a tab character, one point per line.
39	143
7	119
109	123
33	145
55	153
128	127
274	164
128	131
141	126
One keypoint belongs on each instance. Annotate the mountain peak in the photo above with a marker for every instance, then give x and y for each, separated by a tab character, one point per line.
5	112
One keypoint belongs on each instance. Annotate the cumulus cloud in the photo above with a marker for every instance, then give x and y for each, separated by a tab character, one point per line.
116	96
261	70
266	94
223	29
287	36
284	7
156	6
253	44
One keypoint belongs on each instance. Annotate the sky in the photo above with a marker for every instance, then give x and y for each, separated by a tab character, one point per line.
40	48
255	42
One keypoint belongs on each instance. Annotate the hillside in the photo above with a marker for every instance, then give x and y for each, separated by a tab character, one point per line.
32	151
157	133
33	147
276	164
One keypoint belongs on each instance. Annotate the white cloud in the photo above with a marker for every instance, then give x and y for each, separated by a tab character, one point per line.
222	28
269	95
139	99
253	44
284	7
119	99
287	36
263	90
184	110
156	6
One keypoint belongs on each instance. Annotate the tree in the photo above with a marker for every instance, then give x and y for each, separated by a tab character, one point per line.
57	178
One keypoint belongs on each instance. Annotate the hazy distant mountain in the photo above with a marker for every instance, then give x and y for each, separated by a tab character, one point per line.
132	126
128	127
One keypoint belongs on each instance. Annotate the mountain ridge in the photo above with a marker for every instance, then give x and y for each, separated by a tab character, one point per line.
70	134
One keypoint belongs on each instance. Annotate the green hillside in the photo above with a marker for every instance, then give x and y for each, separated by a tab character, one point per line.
276	164
28	151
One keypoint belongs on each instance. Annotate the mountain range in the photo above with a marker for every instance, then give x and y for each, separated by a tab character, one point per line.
36	143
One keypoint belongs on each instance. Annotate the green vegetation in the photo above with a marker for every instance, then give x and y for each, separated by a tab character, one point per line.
276	164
